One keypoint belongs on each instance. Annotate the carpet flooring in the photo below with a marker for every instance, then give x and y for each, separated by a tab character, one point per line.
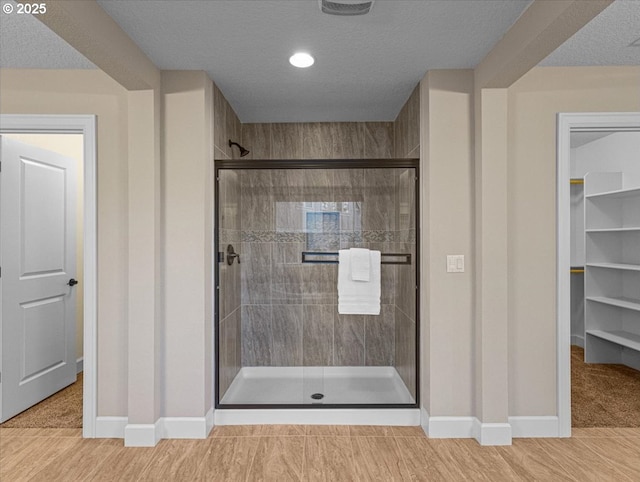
61	410
603	395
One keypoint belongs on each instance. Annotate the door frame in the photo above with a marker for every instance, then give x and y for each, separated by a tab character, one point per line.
85	125
566	124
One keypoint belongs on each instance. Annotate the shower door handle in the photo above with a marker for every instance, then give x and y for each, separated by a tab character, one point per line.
232	255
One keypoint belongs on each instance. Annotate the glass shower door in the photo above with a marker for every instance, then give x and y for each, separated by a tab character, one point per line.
281	338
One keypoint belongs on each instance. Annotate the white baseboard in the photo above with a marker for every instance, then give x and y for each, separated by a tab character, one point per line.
434	427
466	427
184	427
110	427
577	340
451	427
534	427
492	433
310	416
80	365
165	427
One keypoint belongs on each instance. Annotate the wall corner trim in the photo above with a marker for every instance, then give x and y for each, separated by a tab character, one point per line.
424	420
492	433
143	434
535	427
79	365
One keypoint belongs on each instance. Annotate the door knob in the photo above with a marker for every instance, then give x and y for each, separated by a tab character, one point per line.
72	282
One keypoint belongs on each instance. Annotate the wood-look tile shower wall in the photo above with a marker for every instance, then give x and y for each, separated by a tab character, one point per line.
288	314
226	125
407	145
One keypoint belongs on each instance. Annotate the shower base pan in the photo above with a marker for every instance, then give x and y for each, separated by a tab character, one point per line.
317	385
337	385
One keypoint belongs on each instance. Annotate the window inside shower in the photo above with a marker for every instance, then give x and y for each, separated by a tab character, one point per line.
280	339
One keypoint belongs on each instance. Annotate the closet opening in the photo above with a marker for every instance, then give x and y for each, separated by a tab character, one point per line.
599	250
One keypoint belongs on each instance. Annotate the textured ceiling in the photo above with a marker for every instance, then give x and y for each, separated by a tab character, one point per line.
365	66
603	41
27	43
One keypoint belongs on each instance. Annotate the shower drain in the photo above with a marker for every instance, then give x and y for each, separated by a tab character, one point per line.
317	396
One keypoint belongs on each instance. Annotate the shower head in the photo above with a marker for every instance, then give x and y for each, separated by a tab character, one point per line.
243	151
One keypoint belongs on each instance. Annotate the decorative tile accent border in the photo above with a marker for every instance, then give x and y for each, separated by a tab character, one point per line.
288	237
405	236
378	236
258	236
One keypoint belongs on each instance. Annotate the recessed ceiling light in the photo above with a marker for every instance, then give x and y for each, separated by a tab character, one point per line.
301	60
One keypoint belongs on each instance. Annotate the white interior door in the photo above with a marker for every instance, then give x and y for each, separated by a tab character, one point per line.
38	262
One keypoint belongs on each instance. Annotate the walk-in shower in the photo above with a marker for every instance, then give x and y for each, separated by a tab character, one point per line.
280	339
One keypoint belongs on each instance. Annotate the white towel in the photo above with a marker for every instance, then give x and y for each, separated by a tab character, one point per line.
358	297
360	264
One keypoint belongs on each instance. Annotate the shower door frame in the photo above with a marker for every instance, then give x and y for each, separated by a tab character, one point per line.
222	164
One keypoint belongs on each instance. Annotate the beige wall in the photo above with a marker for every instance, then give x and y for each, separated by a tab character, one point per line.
449	379
187	140
183	354
446	112
447	223
69	145
92	92
534	102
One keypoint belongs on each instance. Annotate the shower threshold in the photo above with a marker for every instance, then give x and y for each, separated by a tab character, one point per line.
304	385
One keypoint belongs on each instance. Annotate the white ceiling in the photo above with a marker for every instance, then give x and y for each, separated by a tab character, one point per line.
365	66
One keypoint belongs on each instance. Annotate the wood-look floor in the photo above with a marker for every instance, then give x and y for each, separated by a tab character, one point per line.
323	453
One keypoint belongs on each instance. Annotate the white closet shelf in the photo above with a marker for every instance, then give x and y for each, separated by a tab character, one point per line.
628	267
628	303
623	338
613	230
617	194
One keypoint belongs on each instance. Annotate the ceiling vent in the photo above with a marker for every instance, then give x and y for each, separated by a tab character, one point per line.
345	7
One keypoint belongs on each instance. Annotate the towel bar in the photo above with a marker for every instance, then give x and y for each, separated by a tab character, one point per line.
307	254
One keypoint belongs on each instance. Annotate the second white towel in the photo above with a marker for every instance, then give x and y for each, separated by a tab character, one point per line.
358	297
360	264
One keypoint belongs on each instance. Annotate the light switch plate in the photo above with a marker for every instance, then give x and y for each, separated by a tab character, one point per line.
455	263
